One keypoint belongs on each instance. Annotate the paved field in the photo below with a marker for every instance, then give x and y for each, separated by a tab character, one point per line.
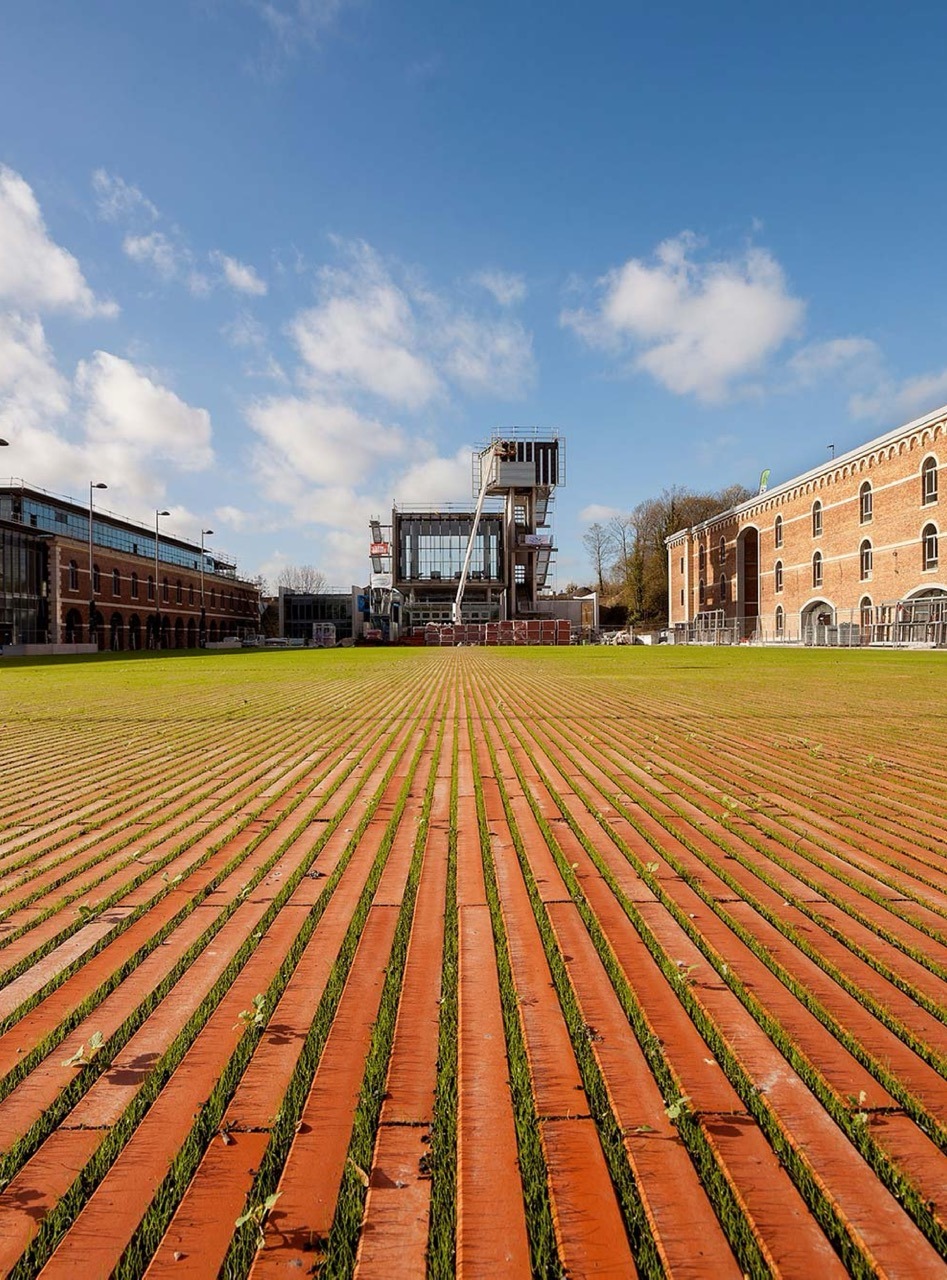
571	963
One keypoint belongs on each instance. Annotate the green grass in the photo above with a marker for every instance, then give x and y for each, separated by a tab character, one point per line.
666	740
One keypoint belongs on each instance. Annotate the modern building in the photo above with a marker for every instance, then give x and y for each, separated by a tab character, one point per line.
849	552
483	564
69	579
322	618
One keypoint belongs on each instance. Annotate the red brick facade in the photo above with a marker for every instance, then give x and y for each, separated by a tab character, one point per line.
128	602
832	546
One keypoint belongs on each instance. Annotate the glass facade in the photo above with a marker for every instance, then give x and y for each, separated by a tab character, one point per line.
24	609
50	516
431	548
301	611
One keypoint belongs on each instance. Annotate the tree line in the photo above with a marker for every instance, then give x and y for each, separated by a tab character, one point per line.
629	557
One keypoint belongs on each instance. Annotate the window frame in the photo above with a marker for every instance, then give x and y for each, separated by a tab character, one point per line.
865	503
778	577
818	569
929	481
778	532
865	560
930	549
818	523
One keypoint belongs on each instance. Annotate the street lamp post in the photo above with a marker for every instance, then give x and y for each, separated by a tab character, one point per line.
158	515
202	638
92	639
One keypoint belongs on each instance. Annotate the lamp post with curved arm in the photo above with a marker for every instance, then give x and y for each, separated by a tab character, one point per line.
92	635
202	638
158	515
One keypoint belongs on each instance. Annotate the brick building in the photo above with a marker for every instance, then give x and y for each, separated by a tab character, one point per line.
849	552
137	599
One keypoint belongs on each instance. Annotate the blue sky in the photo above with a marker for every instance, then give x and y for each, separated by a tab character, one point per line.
274	263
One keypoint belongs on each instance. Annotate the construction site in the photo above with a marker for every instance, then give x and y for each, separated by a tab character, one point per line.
480	575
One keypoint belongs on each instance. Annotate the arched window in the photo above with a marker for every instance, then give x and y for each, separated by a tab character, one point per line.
864	560
929	546
164	590
865	612
701	593
213	598
780	619
778	575
723	550
817	569
723	589
178	592
96	579
134	587
929	481
190	596
778	532
116	583
151	587
73	576
817	519
865	503
701	558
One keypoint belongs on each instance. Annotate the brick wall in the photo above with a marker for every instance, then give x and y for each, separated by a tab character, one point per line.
892	466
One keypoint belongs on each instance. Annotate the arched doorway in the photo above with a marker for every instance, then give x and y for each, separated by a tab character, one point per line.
213	633
191	634
116	633
97	635
165	632
73	627
178	634
134	632
748	580
817	623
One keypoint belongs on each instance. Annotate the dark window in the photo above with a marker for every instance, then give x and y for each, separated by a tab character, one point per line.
817	569
778	532
865	503
701	593
778	575
701	559
817	520
96	579
151	587
929	481
190	595
134	586
73	576
723	588
780	618
165	594
929	546
179	592
116	583
864	560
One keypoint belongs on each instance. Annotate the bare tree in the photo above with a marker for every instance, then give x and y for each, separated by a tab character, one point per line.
600	545
303	578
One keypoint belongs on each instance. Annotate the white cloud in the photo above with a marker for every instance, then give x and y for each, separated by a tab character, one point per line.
32	390
597	513
326	443
239	276
506	289
487	358
35	273
819	360
292	25
698	328
130	417
363	336
436	479
402	342
156	250
118	200
895	402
